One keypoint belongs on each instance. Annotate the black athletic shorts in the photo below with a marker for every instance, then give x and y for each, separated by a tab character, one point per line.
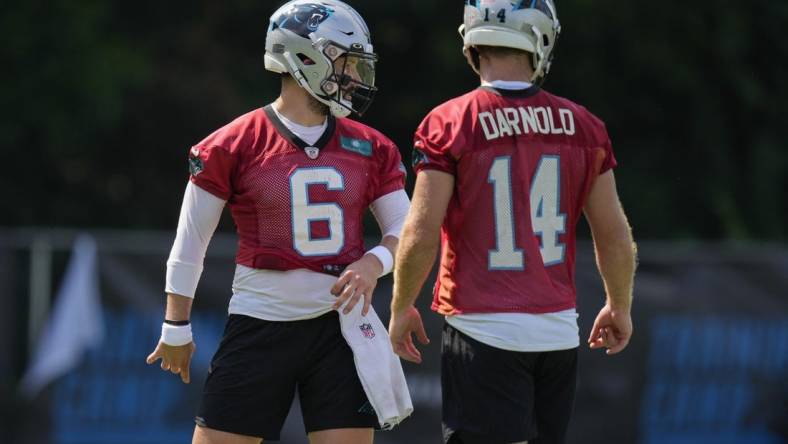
495	396
254	375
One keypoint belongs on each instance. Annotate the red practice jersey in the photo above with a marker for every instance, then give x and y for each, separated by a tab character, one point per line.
296	205
523	162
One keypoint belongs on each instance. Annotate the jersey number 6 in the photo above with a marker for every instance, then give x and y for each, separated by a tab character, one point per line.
304	212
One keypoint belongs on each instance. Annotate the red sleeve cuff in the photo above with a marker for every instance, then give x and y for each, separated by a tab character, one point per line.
434	166
210	187
388	188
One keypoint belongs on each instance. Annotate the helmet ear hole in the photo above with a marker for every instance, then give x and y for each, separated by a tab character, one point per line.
305	59
545	40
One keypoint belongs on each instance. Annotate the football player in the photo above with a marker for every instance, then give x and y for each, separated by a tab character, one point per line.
298	177
503	176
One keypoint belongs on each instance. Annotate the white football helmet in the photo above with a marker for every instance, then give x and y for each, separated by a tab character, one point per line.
529	25
305	39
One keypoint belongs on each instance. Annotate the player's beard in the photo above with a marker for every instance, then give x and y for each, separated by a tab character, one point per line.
318	106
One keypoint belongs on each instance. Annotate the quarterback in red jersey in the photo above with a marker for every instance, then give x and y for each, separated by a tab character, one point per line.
297	205
504	174
298	177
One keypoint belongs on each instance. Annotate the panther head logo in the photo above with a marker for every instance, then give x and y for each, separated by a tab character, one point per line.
303	19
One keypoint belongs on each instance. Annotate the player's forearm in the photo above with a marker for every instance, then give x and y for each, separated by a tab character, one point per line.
200	214
617	260
390	211
178	307
414	260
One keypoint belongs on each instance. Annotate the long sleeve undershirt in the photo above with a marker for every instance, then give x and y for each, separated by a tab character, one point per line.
200	216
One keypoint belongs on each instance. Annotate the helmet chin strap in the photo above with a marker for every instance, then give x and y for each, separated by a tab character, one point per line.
336	109
296	71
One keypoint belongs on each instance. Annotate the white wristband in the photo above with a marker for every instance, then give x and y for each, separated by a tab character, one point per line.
385	257
176	335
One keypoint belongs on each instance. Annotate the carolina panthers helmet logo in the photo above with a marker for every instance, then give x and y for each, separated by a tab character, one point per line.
303	19
540	5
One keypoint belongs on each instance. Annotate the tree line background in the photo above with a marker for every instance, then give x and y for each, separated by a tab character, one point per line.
100	101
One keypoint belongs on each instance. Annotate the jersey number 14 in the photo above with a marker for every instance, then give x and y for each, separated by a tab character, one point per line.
546	219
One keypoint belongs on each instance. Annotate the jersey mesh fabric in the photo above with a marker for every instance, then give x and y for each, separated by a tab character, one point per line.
452	139
251	163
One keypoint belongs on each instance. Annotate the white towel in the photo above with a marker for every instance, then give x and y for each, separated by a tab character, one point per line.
378	368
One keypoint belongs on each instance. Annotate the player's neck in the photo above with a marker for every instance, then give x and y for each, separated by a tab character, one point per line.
294	104
504	70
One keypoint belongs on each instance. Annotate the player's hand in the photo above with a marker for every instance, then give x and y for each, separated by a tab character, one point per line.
357	282
612	329
401	326
175	359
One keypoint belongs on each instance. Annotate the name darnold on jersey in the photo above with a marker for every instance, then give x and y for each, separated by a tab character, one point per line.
524	162
295	205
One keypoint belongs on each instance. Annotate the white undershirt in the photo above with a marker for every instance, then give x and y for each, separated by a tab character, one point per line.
507	84
309	134
522	332
263	294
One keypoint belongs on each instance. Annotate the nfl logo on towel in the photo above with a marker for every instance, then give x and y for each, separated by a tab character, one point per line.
367	330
